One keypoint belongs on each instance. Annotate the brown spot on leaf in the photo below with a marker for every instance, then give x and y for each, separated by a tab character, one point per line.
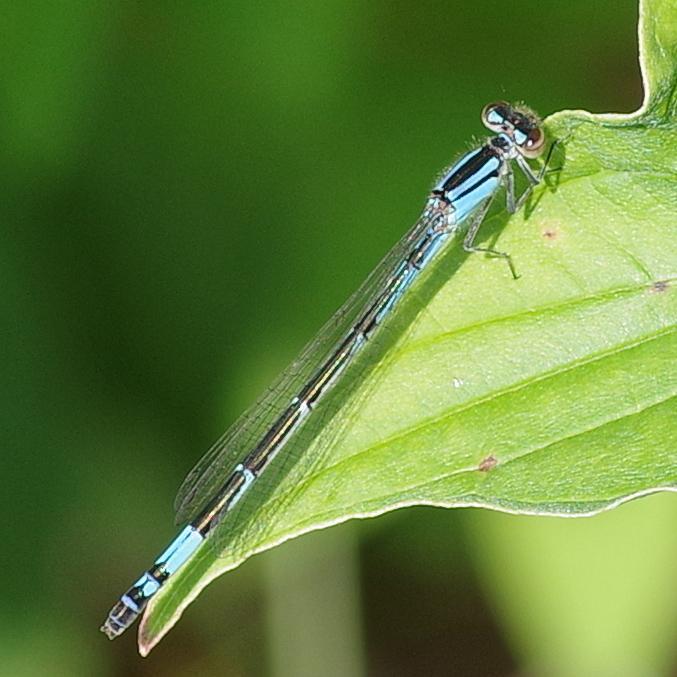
550	234
659	287
487	464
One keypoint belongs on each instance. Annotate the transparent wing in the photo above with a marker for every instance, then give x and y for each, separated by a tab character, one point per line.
204	480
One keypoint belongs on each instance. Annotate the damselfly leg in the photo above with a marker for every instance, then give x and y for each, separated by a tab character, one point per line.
513	204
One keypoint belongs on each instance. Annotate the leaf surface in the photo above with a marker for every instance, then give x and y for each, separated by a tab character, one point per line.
551	394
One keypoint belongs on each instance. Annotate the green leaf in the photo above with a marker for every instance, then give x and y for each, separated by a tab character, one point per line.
552	394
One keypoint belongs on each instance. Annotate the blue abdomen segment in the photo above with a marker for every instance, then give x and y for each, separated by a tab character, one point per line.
132	603
181	548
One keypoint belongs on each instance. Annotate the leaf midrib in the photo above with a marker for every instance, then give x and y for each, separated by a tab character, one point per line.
551	308
302	484
300	528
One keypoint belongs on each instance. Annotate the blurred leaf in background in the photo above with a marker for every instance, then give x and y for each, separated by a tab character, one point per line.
186	195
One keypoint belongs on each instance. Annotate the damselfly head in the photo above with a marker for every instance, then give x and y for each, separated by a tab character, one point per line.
520	124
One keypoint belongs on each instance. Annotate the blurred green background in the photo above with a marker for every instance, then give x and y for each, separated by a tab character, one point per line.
188	191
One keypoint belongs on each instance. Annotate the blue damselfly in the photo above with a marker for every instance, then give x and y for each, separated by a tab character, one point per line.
461	196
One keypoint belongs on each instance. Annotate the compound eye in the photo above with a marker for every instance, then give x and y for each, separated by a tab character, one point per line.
496	115
532	146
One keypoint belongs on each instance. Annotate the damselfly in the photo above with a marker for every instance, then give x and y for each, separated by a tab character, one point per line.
218	482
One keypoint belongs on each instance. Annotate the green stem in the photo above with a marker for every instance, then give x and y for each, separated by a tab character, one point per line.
313	614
